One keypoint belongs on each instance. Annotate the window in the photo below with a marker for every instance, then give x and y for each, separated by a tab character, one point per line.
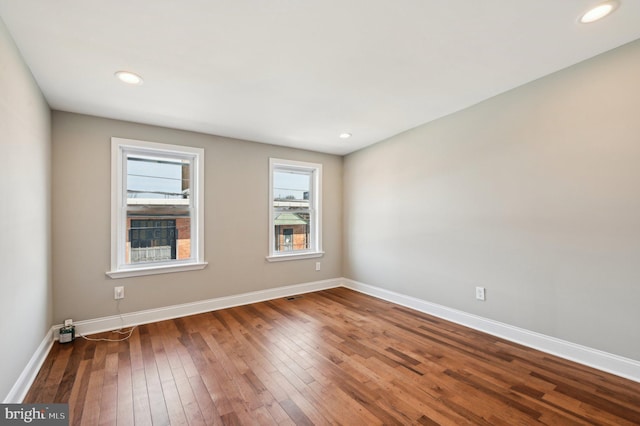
156	208
295	210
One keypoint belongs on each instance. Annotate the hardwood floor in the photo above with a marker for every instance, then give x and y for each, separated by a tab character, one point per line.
330	357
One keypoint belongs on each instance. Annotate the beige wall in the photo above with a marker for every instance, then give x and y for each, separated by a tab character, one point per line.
236	220
534	194
25	272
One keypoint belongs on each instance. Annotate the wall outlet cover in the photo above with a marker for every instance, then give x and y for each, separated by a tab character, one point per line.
118	292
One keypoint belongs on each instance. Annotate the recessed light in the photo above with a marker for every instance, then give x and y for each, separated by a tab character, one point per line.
598	12
129	77
345	135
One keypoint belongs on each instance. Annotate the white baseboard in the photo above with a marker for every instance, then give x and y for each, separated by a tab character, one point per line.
604	361
610	363
27	377
114	322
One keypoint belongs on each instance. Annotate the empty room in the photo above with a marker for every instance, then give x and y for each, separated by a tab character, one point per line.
304	212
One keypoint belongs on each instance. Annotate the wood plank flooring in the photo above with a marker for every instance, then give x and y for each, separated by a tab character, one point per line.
330	357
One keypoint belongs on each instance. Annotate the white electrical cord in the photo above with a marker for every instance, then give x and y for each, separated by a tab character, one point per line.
120	331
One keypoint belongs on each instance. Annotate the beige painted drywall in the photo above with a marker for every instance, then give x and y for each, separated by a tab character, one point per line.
236	220
533	194
25	271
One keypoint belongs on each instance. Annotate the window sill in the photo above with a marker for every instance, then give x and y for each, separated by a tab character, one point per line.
297	256
153	270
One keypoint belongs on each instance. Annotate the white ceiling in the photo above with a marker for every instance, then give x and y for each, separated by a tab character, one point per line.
300	72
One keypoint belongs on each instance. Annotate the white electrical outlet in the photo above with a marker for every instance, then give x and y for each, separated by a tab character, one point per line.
118	293
317	266
480	293
68	322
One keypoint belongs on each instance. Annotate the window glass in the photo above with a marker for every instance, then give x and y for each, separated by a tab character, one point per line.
155	178
291	190
158	198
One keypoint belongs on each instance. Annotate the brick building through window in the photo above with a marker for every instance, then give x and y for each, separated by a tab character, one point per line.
292	231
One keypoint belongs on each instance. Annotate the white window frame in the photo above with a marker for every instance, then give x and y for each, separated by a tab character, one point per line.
120	148
315	209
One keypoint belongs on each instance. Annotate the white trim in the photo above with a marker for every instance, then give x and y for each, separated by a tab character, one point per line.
114	322
20	388
315	208
160	269
296	256
610	363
